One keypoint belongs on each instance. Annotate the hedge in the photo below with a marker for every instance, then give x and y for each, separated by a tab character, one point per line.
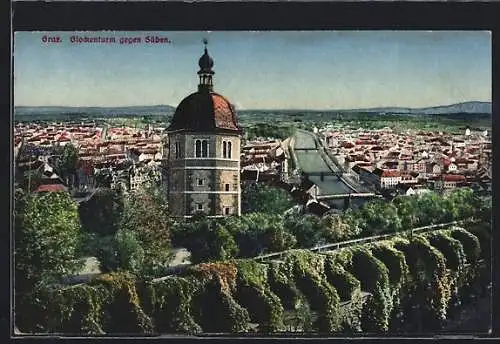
367	287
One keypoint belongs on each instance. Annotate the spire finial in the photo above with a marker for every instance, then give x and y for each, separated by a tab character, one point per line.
206	63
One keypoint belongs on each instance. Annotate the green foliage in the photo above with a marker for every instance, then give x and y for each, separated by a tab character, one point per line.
31	180
264	130
297	314
253	293
206	239
259	233
103	179
46	232
122	311
130	254
77	309
406	209
351	313
235	236
262	198
306	229
374	278
393	259
428	270
282	283
463	203
342	280
146	220
335	228
470	244
214	307
451	249
309	276
170	301
378	217
67	163
483	231
102	213
46	228
302	292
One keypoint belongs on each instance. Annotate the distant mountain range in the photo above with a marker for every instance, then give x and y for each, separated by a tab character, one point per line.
472	107
93	110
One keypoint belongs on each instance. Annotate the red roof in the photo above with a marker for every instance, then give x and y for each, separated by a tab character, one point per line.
453	178
347	145
51	188
389	173
224	113
202	111
386	173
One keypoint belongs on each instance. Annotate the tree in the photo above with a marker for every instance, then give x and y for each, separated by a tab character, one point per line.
31	180
68	161
206	240
46	232
430	209
46	236
103	178
258	233
129	253
463	203
306	229
380	217
406	209
102	213
261	198
146	215
334	228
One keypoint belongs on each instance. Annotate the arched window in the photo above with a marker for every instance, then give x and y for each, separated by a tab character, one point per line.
177	150
229	149
224	149
204	148
198	148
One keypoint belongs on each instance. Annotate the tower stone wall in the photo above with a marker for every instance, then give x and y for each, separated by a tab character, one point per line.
204	142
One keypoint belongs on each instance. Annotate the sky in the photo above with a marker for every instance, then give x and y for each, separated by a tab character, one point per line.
257	70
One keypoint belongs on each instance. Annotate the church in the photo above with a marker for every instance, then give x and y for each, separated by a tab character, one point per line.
204	152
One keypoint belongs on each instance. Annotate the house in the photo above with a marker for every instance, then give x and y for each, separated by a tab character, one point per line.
367	176
420	165
409	178
387	179
434	168
449	181
405	189
449	165
250	176
317	208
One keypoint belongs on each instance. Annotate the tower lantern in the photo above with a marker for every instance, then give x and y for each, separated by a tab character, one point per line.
204	151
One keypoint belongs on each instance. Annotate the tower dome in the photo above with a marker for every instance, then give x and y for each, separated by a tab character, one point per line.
205	110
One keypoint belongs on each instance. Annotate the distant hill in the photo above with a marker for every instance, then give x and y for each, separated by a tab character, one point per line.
54	110
472	107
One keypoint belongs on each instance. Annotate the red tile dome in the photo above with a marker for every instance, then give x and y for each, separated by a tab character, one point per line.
205	112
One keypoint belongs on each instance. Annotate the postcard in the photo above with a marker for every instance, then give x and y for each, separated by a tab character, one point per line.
252	182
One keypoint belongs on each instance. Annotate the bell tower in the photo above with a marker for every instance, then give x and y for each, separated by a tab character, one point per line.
204	151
